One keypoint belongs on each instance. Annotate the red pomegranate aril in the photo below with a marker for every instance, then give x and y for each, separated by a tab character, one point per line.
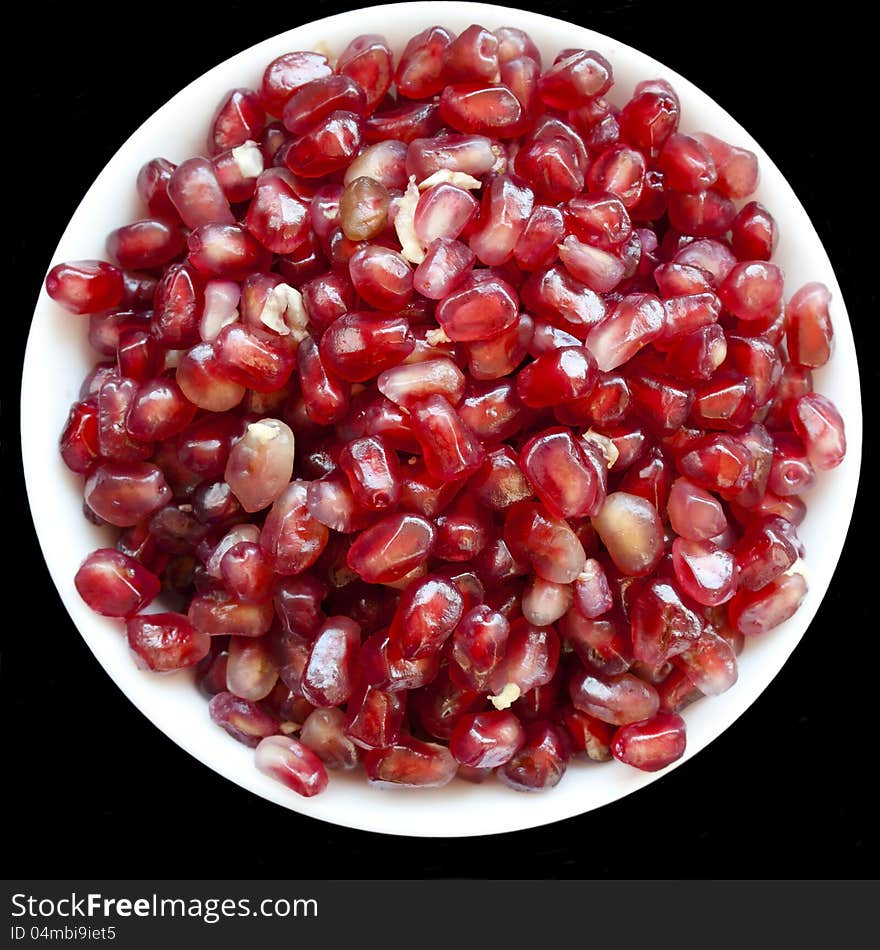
651	116
358	346
363	209
588	734
492	410
217	613
243	720
381	277
391	548
790	472
443	211
717	463
146	244
368	61
326	397
326	298
247	573
600	270
505	209
687	313
410	763
601	220
427	613
328	676
703	214
297	603
537	245
819	425
79	444
205	382
479	645
479	107
166	641
619	171
592	594
547	543
115	585
546	338
314	101
239	117
152	187
124	493
449	448
662	403
374	717
284	75
710	664
520	75
752	290
372	471
794	381
757	359
486	740
706	573
693	512
651	745
696	356
463	530
85	286
324	733
478	310
421	69
253	358
446	265
635	321
405	123
551	166
662	623
327	147
178	307
473	55
767	548
237	171
756	612
558	376
293	764
513	42
260	464
503	353
251	673
197	194
737	167
276	216
564	479
727	401
675	280
602	643
687	165
226	252
541	761
291	537
808	326
544	602
753	233
713	257
139	355
618	700
158	411
579	76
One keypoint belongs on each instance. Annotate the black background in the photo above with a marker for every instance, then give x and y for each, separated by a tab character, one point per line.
90	787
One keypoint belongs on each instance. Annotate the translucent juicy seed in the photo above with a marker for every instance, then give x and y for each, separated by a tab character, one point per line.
449	448
372	471
328	676
324	733
85	286
245	721
820	426
390	549
124	493
486	740
651	745
411	763
755	612
166	641
291	536
618	700
115	585
251	672
293	764
541	761
261	463
630	529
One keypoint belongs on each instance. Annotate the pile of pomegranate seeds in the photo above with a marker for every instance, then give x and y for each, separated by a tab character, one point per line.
457	412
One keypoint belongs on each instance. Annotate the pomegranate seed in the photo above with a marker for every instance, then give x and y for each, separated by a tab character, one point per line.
277	217
663	625
381	277
324	733
166	641
693	512
513	43
375	717
449	448
247	573
298	604
152	187
752	290
463	530
478	310
79	441
541	761
367	60
501	355
706	573
727	401
252	358
791	472
686	164
663	404
591	592
544	602
618	700
426	615
767	548
564	477
547	543
492	410
499	481
630	529
125	493
406	123
421	69
197	194
753	233
478	646
603	644
260	464
758	360
486	740
651	745
651	116
537	245
293	764
808	326
819	425
479	107
598	269
703	214
441	704
327	147
717	463
674	279
284	75
505	209
243	720
710	664
633	323
588	734
558	376
579	76
316	100
115	585
328	677
754	612
358	346
410	763
737	167
146	244
238	118
251	673
619	171
390	549
372	472
85	286
291	536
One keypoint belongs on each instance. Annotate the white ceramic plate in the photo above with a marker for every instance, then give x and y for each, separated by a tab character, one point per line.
58	357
